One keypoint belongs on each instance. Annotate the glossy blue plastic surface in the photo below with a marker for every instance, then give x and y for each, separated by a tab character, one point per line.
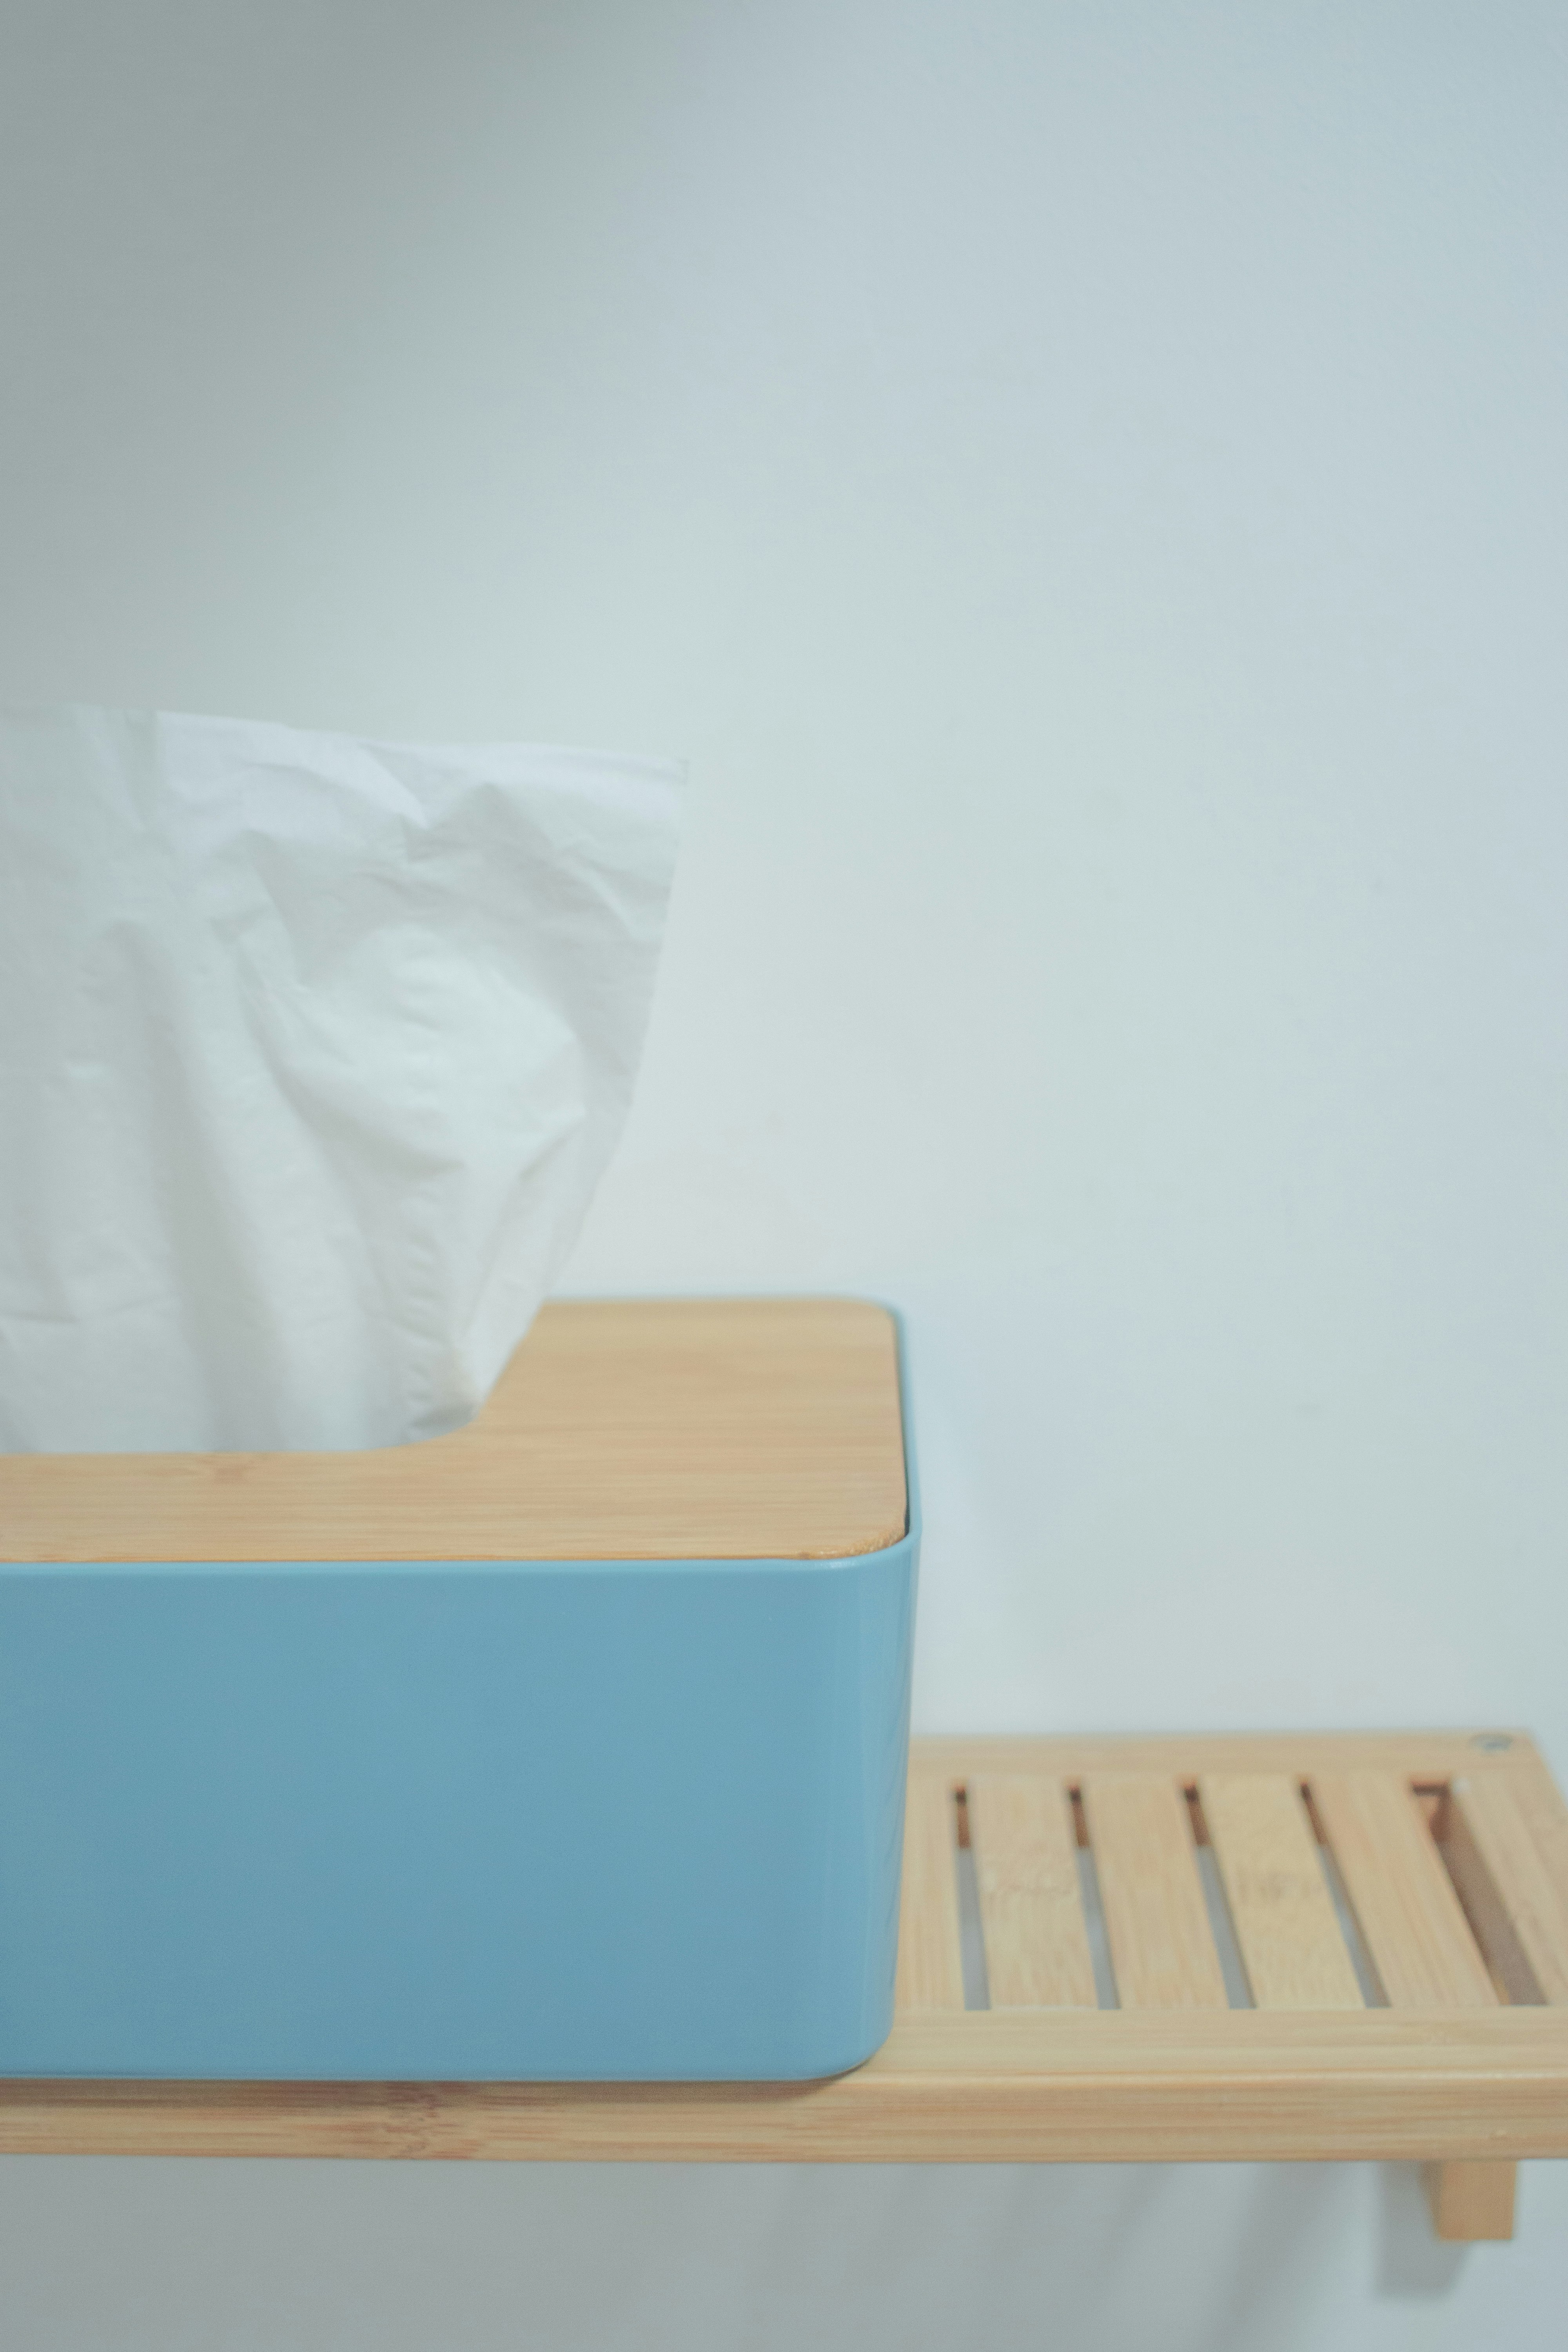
545	1821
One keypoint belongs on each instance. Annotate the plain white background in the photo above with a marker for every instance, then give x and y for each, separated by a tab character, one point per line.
1084	488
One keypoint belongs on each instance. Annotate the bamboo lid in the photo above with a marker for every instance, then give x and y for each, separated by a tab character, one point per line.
702	1429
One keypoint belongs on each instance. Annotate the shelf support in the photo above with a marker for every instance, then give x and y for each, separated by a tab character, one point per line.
1472	2203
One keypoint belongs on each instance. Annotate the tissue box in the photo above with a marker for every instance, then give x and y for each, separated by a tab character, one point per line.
571	1745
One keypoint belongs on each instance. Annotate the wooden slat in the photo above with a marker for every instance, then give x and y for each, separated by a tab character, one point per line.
1025	1868
1156	1922
1510	1834
1471	2202
1508	1963
1072	2086
1279	1902
622	1429
1406	1906
931	1961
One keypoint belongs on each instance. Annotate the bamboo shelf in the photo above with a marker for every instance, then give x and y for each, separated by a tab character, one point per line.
1322	1947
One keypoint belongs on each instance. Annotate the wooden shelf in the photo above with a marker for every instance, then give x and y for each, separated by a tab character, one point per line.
1323	1946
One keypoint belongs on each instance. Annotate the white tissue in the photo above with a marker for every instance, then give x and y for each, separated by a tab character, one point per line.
312	1053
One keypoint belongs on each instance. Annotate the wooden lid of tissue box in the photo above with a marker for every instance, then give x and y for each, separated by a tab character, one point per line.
703	1429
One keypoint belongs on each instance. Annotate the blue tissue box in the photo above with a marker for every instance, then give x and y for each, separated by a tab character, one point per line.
570	1746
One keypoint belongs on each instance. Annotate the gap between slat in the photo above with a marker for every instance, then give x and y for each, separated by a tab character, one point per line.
971	1933
1105	1992
1222	1926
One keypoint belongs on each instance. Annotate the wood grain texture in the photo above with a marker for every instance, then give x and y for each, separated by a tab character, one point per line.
1013	2087
930	1963
1481	1897
1025	1868
1513	1837
1279	1902
709	1429
1156	1921
1471	2202
1406	1906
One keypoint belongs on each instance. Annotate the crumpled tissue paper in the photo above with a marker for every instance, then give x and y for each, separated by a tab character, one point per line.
312	1050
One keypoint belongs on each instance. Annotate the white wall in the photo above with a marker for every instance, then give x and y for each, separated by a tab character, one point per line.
1085	487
